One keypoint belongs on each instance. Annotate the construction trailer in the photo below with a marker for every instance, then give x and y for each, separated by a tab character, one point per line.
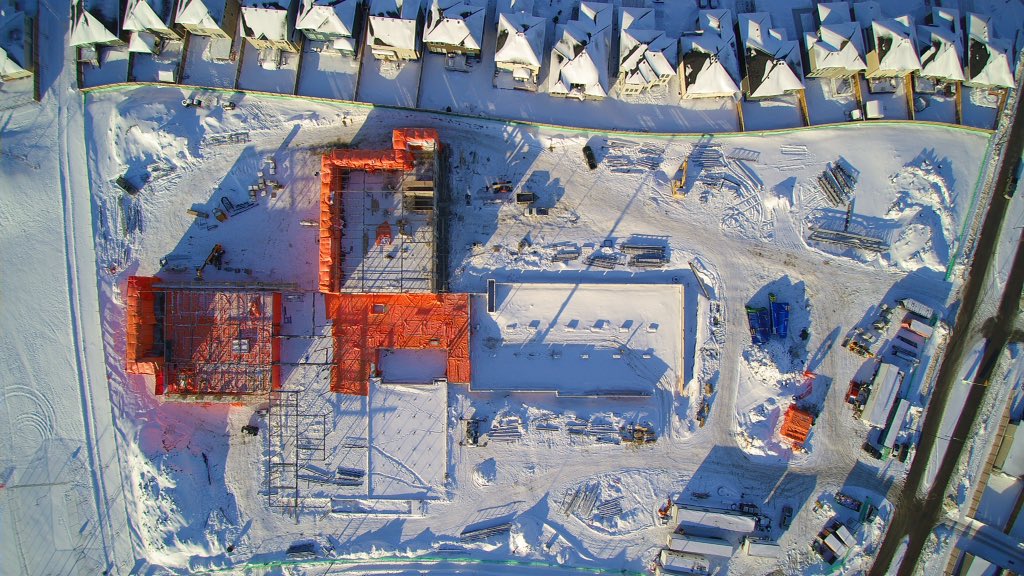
702	545
761	548
884	389
915	307
893	431
672	563
730	520
920	328
204	343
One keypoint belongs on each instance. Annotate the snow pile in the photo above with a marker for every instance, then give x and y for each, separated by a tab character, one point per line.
921	215
769	382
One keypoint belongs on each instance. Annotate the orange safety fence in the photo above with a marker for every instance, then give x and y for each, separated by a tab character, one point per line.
141	356
366	323
403	138
796	425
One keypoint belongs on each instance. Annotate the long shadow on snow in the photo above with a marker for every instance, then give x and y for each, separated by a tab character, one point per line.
789	353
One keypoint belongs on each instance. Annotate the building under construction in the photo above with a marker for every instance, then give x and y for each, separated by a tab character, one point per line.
204	343
383	248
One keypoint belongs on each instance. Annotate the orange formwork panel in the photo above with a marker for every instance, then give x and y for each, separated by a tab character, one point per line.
370	160
367	323
425	138
141	356
331	256
796	425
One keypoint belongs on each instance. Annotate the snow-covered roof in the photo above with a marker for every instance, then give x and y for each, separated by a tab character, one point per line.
833	13
580	60
838	45
398	9
513	6
594	17
265	19
455	23
940	46
866	12
894	42
988	63
8	66
709	65
142	42
638	18
86	29
147	15
772	61
520	39
202	13
646	55
335	17
718	22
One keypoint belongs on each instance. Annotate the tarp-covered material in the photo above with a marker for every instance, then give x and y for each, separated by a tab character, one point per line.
796	425
363	324
415	138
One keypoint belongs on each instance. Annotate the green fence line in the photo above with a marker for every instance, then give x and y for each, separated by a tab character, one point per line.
415	560
534	124
970	212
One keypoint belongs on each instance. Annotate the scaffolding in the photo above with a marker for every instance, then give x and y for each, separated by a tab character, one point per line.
363	324
296	443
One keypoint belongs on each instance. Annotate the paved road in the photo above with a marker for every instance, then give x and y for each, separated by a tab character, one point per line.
916	517
990	543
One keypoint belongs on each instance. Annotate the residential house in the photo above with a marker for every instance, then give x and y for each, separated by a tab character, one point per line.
393	32
455	27
91	30
891	50
708	66
214	18
579	60
270	24
772	64
15	44
837	50
518	49
647	57
988	58
149	24
939	46
332	22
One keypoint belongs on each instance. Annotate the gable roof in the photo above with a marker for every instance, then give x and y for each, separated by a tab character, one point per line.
838	45
13	34
520	39
646	55
594	17
718	22
328	16
940	46
143	42
639	18
513	6
988	63
455	23
772	61
201	13
265	19
7	65
709	65
833	13
393	23
86	29
147	15
398	9
894	42
580	59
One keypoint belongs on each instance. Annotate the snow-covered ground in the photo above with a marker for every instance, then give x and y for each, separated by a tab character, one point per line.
101	475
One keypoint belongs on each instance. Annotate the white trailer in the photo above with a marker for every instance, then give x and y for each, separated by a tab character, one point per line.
672	562
920	328
761	548
700	545
915	307
897	423
730	520
884	389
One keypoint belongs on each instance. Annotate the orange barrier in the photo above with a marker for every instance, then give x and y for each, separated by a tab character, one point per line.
796	425
331	256
366	323
141	357
404	138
